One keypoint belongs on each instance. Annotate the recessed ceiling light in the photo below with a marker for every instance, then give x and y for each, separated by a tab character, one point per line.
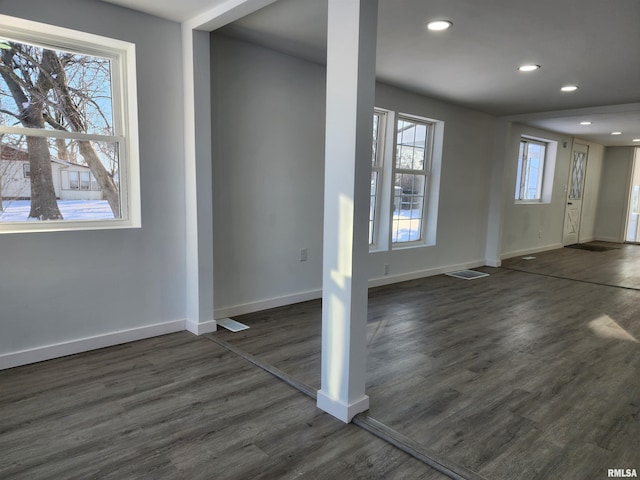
616	133
528	68
585	123
636	140
439	25
569	88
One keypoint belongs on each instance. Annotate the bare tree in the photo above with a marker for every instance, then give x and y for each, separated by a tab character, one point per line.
30	98
62	91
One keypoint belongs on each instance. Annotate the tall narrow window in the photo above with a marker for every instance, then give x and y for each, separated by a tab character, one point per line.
67	98
411	179
376	172
530	170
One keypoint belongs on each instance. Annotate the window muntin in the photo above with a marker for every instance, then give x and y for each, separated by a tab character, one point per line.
411	178
531	159
376	172
83	112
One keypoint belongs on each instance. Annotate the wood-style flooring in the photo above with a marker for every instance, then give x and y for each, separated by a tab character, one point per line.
177	407
530	373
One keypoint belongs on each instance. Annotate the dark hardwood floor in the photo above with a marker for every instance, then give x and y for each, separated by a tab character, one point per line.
530	373
519	375
177	407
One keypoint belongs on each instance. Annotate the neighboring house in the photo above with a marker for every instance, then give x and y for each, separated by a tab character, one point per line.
70	180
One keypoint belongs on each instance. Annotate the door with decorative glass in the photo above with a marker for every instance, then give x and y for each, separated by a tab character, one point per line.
575	191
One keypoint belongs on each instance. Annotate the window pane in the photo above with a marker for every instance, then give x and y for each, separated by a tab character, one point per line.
74	181
62	173
63	90
374	150
411	146
408	207
530	170
372	205
85	181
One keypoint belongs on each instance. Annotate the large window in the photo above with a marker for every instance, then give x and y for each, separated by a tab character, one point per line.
411	169
530	174
67	109
401	180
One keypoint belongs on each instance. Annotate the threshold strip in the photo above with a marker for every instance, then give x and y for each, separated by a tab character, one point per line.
371	425
571	279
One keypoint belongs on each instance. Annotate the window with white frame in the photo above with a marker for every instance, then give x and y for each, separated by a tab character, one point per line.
401	181
376	172
411	178
68	98
530	175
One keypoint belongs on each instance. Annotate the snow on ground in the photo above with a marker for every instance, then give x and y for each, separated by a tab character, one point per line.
18	210
406	225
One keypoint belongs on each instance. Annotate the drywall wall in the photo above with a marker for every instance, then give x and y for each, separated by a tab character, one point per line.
531	227
268	112
591	192
464	196
268	176
63	287
614	193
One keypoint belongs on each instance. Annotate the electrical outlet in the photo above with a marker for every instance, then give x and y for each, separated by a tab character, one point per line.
303	254
539	233
387	267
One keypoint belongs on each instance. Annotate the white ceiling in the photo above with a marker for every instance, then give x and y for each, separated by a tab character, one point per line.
592	43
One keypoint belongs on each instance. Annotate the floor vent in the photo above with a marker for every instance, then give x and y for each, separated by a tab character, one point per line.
467	274
232	325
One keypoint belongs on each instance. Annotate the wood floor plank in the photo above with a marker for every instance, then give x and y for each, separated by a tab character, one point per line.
177	407
505	374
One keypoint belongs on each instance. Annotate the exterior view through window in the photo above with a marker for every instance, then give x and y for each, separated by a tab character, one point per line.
410	170
64	129
530	170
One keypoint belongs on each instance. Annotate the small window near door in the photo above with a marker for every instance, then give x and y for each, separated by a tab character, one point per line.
530	175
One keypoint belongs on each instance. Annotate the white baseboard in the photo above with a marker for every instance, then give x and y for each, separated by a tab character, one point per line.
403	277
529	251
260	305
39	354
265	304
202	327
608	239
492	262
341	410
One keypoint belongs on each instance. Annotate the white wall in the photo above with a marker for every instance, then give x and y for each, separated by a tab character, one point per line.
68	286
591	193
535	227
614	193
464	195
268	175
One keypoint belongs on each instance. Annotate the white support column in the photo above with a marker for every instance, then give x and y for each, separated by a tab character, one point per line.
198	181
351	55
496	194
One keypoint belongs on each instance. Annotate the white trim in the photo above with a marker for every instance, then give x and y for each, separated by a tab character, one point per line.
403	277
528	251
265	304
341	410
607	239
48	352
202	327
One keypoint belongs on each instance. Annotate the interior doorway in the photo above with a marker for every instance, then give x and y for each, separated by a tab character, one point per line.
573	209
632	233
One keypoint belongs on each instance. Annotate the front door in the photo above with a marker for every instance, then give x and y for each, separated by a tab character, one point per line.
575	190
